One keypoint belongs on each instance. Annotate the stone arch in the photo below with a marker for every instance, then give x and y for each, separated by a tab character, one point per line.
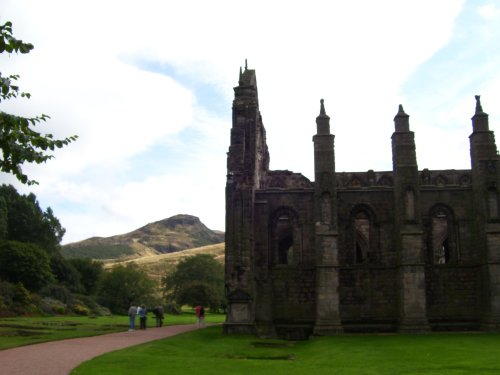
286	237
364	234
442	238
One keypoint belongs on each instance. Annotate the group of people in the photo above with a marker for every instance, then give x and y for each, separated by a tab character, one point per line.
142	312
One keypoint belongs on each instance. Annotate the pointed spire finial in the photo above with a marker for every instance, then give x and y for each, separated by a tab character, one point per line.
246	64
401	112
241	77
322	110
479	108
401	120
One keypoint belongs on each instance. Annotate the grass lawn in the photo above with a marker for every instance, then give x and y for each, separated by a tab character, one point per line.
20	331
210	352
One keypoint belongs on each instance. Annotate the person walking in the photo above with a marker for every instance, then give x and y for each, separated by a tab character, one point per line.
200	315
143	312
158	311
132	312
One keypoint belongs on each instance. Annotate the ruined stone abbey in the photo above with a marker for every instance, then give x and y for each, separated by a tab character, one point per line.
406	250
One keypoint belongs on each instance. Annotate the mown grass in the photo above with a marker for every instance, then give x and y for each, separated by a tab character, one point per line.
210	352
20	331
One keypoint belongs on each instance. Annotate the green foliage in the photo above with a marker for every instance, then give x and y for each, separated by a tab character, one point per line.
3	219
14	299
80	309
66	273
90	273
19	142
96	251
26	222
197	280
25	263
121	286
57	292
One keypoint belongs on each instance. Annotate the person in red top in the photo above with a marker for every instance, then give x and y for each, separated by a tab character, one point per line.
200	315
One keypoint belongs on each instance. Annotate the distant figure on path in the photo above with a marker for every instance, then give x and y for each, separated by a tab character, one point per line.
200	315
143	312
158	311
132	312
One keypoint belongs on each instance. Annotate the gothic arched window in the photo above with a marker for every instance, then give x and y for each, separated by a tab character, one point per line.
442	235
286	238
362	240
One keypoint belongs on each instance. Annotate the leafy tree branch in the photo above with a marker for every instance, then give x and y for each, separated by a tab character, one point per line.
19	142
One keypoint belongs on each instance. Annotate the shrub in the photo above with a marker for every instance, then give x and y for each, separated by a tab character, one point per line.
15	299
58	292
80	309
51	306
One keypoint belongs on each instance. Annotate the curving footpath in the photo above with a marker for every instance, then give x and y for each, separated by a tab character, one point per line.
60	357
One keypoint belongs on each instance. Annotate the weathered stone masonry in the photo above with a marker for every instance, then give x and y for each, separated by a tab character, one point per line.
405	250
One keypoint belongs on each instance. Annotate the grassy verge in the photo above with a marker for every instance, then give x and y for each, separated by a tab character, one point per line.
210	352
20	331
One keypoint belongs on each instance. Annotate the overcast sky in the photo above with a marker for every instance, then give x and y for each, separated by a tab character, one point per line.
148	88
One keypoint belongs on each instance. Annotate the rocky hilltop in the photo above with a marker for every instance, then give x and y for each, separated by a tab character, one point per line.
170	235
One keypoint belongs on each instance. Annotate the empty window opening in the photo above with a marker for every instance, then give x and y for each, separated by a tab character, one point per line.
361	237
440	238
285	240
285	250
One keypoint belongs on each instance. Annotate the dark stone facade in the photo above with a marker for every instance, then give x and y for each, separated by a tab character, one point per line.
402	250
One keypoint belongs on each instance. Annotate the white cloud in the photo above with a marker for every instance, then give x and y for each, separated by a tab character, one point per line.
355	55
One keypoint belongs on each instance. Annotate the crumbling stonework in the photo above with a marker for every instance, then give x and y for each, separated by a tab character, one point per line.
402	250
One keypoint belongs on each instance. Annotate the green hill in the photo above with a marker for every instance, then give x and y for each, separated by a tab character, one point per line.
170	235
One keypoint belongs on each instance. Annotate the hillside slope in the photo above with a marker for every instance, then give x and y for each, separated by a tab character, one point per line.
170	235
157	266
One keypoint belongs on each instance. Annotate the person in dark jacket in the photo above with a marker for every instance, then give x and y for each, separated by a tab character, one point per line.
143	313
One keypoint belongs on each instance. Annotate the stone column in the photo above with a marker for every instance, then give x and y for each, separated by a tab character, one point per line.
327	285
412	296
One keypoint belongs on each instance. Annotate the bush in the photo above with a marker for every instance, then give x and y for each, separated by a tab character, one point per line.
51	306
15	299
80	309
57	292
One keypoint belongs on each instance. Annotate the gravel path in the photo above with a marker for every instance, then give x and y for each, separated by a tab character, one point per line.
60	357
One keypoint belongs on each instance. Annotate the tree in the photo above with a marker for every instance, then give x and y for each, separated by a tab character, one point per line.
197	280
90	273
25	263
27	222
66	273
123	285
19	142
